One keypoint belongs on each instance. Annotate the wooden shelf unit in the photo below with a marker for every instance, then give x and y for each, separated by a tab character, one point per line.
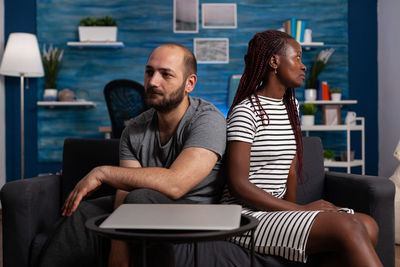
348	128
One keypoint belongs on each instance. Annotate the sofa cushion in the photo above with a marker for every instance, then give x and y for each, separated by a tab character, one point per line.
80	156
313	171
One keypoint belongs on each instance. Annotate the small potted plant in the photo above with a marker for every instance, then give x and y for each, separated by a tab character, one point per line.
93	29
336	94
308	116
329	155
52	59
316	68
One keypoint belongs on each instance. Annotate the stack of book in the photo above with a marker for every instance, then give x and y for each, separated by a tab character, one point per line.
295	27
323	90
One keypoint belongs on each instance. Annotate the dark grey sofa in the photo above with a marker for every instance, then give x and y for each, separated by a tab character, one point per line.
31	207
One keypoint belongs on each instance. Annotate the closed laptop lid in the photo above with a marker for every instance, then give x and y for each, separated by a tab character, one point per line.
174	217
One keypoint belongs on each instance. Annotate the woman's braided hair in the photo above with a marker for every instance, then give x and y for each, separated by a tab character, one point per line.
261	48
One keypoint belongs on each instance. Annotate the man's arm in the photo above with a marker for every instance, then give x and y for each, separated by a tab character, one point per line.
121	194
191	166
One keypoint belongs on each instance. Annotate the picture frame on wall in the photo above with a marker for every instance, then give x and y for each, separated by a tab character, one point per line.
186	16
219	16
211	50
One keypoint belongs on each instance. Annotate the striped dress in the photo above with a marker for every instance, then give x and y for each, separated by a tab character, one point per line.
273	147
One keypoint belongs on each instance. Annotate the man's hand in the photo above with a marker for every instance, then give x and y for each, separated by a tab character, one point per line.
86	186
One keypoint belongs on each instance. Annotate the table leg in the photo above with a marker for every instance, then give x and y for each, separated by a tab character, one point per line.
144	257
100	255
196	263
252	248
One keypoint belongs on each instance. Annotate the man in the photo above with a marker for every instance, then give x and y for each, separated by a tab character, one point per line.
168	154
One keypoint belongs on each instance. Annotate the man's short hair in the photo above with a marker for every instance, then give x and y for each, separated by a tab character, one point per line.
189	60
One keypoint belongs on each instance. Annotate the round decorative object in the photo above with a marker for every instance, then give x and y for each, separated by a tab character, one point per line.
310	94
66	95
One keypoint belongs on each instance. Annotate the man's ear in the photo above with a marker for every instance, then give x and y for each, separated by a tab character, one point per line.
274	61
190	83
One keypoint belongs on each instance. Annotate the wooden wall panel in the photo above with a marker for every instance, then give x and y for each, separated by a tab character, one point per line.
143	25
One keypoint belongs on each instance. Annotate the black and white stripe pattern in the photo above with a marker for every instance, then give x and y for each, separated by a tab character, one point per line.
273	147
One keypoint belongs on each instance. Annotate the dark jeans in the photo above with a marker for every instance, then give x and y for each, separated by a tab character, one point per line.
73	245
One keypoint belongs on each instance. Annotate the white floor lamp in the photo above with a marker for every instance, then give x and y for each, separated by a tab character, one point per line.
22	58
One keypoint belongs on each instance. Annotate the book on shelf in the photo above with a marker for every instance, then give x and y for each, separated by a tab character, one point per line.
298	30
295	28
287	27
302	30
325	91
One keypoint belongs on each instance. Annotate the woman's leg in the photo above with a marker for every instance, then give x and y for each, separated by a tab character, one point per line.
370	225
346	236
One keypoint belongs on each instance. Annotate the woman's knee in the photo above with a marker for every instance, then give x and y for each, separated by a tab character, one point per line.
333	230
146	196
371	227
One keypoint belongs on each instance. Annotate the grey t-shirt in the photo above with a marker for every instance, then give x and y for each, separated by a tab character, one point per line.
202	126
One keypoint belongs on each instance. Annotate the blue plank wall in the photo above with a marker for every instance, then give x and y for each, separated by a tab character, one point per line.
143	25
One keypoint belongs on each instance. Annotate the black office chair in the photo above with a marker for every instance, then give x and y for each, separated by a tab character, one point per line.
125	100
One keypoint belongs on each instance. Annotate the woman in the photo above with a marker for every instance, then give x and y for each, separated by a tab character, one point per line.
264	142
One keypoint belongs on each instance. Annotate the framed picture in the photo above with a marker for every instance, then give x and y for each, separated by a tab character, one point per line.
216	16
211	50
186	16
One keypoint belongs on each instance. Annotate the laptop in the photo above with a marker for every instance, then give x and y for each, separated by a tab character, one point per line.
174	217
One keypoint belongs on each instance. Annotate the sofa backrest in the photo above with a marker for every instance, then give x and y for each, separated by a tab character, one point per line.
313	171
80	156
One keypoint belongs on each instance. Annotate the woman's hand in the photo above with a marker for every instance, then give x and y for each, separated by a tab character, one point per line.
321	205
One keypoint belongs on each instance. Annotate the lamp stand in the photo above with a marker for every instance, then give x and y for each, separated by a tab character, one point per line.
22	128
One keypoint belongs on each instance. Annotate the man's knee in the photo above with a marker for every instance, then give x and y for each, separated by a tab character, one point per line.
146	196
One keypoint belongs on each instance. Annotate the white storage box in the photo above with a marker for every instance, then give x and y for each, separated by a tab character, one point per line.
97	33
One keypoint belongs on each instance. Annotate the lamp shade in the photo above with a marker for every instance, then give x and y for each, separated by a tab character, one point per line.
22	56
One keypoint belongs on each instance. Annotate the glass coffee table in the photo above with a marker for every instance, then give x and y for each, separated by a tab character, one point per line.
144	237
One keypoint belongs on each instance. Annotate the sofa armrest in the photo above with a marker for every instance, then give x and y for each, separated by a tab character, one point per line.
29	207
372	195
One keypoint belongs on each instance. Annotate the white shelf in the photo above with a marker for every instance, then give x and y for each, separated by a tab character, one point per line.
88	104
343	164
348	128
331	102
96	44
341	127
312	44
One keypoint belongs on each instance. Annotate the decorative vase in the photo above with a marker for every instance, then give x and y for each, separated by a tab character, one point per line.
336	96
50	94
97	33
351	118
307	120
310	94
66	95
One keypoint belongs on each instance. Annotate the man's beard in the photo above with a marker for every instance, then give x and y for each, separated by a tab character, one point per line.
165	104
